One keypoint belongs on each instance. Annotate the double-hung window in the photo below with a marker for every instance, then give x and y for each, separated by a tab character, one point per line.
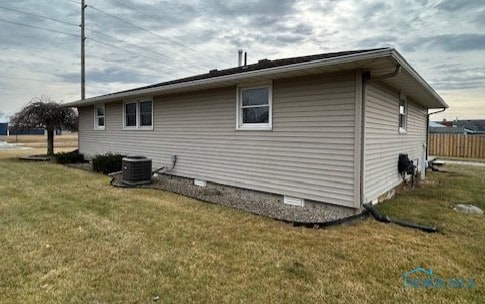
99	117
403	115
146	111
138	114
254	108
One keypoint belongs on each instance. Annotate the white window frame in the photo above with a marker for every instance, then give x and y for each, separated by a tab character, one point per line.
96	117
403	129
254	126
137	125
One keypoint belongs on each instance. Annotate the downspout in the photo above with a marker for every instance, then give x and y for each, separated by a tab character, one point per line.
367	78
427	133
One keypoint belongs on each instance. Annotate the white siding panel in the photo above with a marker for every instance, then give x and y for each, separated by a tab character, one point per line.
308	154
383	143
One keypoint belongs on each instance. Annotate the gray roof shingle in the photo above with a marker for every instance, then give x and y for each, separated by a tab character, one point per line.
261	65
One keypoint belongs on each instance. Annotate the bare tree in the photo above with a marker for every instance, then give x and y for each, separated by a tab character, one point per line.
42	112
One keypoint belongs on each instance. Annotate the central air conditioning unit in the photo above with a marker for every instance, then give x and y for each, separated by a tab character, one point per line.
137	170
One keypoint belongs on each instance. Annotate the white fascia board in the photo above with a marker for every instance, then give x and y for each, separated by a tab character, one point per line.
401	61
389	52
238	76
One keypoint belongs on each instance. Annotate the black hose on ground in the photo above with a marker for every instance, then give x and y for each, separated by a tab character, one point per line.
387	219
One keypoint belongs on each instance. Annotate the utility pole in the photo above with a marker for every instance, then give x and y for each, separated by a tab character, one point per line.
83	39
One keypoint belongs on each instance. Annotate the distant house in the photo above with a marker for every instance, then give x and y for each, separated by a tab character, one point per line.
476	126
465	127
321	131
447	127
3	128
31	131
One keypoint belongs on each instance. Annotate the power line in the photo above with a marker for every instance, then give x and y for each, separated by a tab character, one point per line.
150	32
154	17
20	78
131	8
146	49
138	54
38	16
39	27
30	79
75	2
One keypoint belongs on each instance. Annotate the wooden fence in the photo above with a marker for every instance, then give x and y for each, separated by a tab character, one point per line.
456	145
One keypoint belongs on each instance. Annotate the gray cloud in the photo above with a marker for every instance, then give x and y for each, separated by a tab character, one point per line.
378	41
458	83
248	8
450	42
108	75
457	5
211	31
479	19
4	117
453	76
375	9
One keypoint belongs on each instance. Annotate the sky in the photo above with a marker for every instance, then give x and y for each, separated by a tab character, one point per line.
132	43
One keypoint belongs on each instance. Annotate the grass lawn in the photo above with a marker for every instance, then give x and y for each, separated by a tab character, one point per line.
476	160
67	140
68	237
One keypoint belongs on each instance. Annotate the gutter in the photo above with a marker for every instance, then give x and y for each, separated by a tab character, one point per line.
235	77
401	61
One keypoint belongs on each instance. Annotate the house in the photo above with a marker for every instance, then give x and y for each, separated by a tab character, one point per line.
465	127
476	126
27	131
3	128
323	132
436	127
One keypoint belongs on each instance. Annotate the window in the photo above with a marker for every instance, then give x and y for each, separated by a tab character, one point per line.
99	117
403	114
138	114
145	113
130	114
254	107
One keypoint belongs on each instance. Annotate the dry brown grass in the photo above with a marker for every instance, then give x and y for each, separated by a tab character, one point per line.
40	141
37	144
68	237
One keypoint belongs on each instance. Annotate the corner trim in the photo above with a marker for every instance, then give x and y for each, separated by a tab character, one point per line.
358	119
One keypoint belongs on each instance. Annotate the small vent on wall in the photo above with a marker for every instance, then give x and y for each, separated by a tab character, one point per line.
294	201
200	183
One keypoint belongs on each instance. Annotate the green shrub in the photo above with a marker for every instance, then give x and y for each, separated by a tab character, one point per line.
107	163
73	157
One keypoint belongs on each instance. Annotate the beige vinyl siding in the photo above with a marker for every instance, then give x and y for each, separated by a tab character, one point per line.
383	142
309	153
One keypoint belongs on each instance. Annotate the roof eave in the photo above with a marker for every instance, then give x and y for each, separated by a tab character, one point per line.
235	77
389	52
404	64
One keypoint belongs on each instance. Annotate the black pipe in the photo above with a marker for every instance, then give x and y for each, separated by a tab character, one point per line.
387	219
